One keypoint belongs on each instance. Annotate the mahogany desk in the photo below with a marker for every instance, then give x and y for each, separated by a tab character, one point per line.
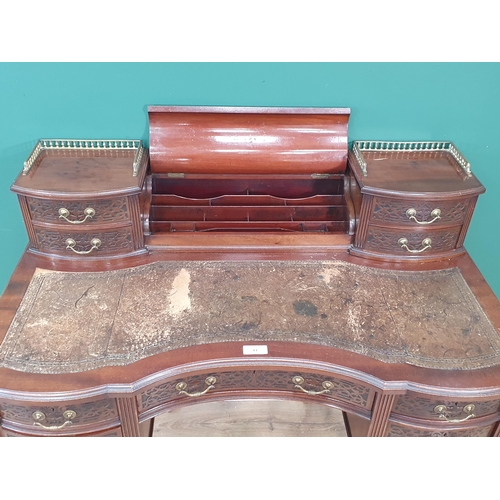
248	253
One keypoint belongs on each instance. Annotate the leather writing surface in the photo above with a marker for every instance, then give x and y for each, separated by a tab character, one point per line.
73	322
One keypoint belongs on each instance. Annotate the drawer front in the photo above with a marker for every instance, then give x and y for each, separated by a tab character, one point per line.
113	432
317	385
75	213
87	413
415	213
411	242
401	430
82	243
442	409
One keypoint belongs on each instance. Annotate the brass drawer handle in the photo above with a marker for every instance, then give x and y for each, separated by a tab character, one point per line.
39	416
70	245
441	410
411	213
426	242
182	386
298	381
64	214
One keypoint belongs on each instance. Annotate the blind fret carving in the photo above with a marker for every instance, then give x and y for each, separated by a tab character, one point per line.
422	407
86	413
259	379
111	241
394	211
113	210
384	240
396	430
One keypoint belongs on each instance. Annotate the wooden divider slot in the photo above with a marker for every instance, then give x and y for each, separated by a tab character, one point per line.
275	203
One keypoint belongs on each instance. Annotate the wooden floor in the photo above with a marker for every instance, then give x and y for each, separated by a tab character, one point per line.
251	418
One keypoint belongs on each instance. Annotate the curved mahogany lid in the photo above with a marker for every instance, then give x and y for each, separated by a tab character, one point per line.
217	140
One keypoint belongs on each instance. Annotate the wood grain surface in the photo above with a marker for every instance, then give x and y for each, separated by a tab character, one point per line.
251	418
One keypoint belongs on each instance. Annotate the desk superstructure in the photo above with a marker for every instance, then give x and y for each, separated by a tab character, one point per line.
248	252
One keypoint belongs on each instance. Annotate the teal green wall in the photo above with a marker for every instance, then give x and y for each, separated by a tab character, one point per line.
389	101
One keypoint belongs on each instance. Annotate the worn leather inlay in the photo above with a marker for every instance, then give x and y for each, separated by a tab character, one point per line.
73	322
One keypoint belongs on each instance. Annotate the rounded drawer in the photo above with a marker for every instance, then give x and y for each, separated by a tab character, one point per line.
440	409
396	429
317	385
82	243
57	417
411	242
416	213
112	432
75	213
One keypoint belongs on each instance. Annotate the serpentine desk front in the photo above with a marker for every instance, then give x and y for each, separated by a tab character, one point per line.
248	253
400	352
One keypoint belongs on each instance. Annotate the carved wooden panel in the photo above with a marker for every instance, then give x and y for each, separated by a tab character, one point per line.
398	430
112	210
343	390
424	407
111	241
394	211
86	413
386	240
167	391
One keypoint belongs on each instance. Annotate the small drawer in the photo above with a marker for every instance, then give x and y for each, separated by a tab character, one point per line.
440	409
401	430
82	243
75	213
416	213
411	242
113	432
50	417
317	385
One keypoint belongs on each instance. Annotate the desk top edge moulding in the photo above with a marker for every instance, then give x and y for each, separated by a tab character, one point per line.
248	252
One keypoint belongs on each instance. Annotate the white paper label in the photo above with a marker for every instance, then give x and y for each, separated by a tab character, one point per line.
255	349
